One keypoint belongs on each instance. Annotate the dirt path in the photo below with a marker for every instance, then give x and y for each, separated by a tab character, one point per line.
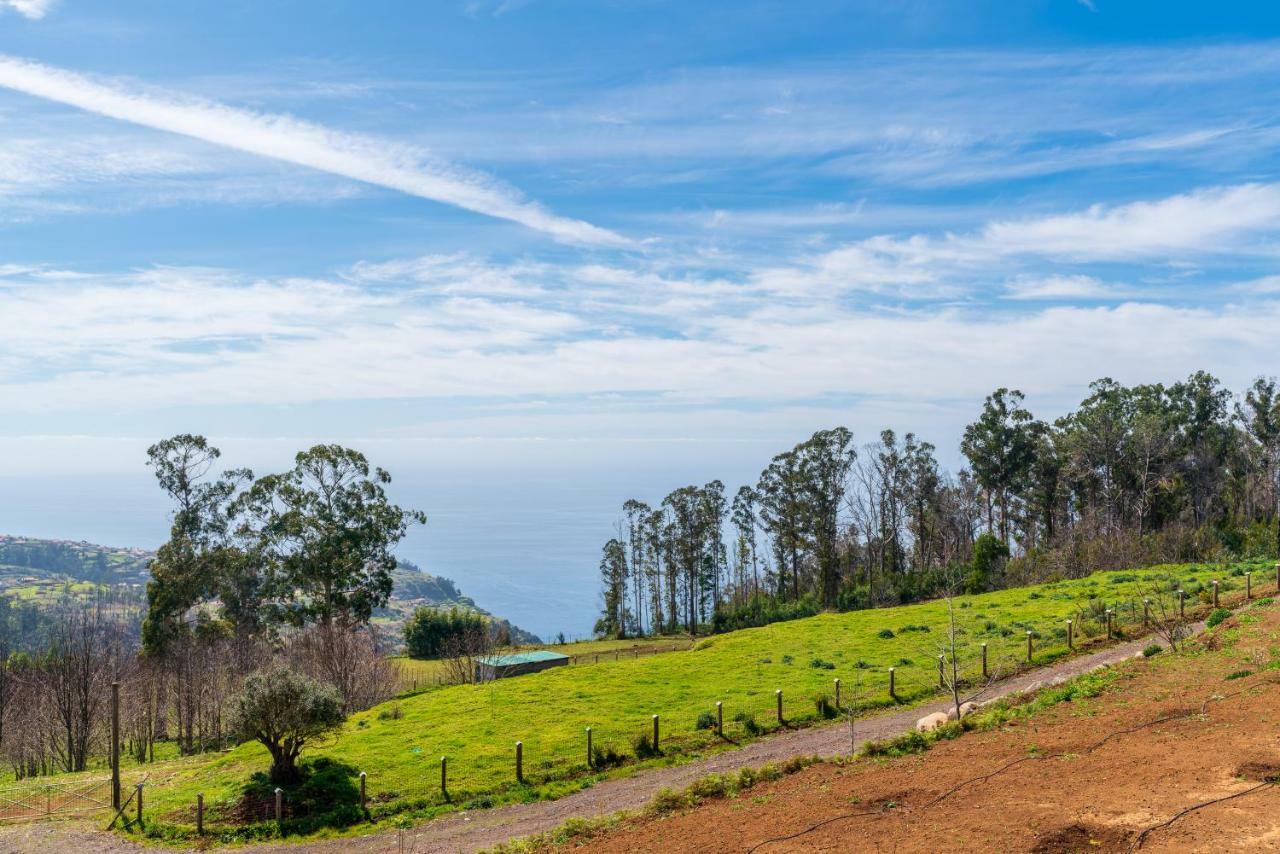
473	831
1181	756
476	830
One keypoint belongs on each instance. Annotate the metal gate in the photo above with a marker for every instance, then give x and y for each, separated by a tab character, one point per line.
45	800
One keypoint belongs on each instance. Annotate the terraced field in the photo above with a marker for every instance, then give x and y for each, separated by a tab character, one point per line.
399	744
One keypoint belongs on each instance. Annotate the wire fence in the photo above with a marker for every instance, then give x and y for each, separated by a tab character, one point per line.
477	774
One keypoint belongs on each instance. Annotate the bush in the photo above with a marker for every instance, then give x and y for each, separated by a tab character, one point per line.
1217	617
327	794
1154	649
605	756
428	632
819	664
748	722
1239	674
644	747
885	633
284	710
391	713
706	720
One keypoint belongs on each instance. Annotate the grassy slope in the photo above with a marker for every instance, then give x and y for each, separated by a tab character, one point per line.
428	672
477	726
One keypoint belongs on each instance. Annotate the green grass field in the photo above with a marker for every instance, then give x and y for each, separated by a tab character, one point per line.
425	673
399	744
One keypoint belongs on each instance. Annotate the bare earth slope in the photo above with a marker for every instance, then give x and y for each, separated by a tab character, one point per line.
1088	775
997	815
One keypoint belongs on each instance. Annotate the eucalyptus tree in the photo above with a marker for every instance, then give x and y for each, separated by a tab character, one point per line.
326	531
1260	416
746	524
1000	447
200	561
636	515
824	464
783	512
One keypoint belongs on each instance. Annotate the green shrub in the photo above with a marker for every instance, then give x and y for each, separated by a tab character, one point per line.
1154	649
284	711
1217	617
885	633
819	664
644	747
391	713
1239	674
605	756
1265	601
706	720
786	659
748	722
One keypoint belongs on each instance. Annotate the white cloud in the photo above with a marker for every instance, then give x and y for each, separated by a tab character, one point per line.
1059	287
398	167
166	337
1208	220
1216	221
32	9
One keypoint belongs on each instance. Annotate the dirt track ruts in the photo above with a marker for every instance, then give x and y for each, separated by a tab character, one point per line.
472	831
477	830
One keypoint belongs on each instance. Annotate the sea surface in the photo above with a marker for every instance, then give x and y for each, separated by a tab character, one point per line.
524	544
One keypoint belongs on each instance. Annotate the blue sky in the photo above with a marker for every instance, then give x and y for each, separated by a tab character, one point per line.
535	235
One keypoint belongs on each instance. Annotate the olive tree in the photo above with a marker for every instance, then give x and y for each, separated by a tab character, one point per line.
285	711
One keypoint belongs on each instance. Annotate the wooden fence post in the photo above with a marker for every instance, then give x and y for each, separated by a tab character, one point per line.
837	692
778	694
1109	615
655	734
892	693
1146	612
1182	604
1215	592
984	659
942	667
589	759
139	793
444	776
200	813
720	718
279	804
364	801
1248	586
519	762
1070	639
1028	645
115	746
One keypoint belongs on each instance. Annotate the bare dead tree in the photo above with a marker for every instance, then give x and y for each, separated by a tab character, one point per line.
463	651
960	686
1164	614
349	659
85	651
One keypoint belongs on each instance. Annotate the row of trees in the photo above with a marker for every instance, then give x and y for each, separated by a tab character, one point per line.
281	571
1134	474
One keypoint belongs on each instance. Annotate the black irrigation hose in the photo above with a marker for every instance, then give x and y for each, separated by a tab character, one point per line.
1142	837
1090	749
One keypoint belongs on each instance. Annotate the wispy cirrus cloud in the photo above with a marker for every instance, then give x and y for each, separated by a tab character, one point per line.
398	167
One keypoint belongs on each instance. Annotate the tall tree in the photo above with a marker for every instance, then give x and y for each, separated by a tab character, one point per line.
198	562
825	461
1000	447
326	529
1260	415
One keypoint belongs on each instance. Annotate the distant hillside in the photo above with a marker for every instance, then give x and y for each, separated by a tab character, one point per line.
41	570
